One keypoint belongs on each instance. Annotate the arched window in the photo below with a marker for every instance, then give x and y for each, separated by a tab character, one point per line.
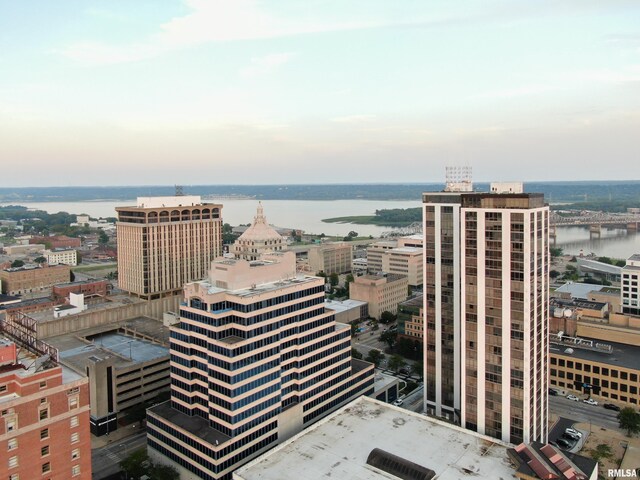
175	216
164	216
195	214
152	217
186	215
205	213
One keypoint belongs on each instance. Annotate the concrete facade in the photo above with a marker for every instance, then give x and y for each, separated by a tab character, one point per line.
165	242
629	291
254	359
486	312
330	258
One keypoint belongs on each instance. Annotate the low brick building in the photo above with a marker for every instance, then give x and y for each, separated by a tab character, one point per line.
90	288
16	281
58	241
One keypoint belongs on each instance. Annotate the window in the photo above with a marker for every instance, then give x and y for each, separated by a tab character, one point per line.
44	451
74	422
12	444
44	433
75	470
12	424
43	400
46	467
3	388
13	462
73	402
14	476
75	437
75	454
43	384
44	414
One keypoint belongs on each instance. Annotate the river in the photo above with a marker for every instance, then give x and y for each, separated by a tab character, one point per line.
308	215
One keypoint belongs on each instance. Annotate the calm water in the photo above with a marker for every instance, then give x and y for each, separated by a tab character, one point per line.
307	215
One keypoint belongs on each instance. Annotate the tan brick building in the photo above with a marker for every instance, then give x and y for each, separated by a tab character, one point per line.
16	281
331	258
381	292
44	419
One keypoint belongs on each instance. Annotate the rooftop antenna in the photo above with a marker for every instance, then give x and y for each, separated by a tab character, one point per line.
179	191
458	179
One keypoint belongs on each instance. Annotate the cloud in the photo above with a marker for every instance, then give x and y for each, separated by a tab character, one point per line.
354	119
517	92
260	66
208	21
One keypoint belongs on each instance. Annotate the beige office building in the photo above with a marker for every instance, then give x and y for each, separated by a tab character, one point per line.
405	261
383	293
375	252
331	258
65	256
165	242
486	311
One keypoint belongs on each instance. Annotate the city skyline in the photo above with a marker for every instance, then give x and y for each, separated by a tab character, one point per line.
328	92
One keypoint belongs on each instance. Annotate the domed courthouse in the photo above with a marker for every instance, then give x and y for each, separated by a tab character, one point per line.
259	238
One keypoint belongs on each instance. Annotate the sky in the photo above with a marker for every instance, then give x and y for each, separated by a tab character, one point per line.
154	92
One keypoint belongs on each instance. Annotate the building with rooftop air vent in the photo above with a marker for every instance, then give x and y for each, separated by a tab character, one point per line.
255	358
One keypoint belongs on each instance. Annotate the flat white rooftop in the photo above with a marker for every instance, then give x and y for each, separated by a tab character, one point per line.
338	446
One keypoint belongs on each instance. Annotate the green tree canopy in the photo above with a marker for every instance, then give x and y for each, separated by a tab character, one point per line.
396	362
134	464
389	337
629	420
375	357
17	264
334	279
356	353
387	317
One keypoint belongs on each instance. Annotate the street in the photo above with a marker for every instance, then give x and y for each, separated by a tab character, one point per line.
105	460
582	412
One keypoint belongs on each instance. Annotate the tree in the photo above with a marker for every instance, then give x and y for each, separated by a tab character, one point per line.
352	234
629	420
133	465
375	357
555	251
601	451
396	362
334	279
17	264
40	260
321	274
348	279
356	354
387	317
389	337
554	274
103	238
163	472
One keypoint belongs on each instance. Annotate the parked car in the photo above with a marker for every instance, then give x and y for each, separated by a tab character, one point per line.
573	431
611	406
565	444
590	401
553	392
398	402
571	436
573	397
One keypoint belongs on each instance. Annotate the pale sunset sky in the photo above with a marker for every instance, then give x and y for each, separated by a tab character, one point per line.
124	92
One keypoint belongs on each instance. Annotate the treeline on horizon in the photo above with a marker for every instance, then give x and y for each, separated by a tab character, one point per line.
619	195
